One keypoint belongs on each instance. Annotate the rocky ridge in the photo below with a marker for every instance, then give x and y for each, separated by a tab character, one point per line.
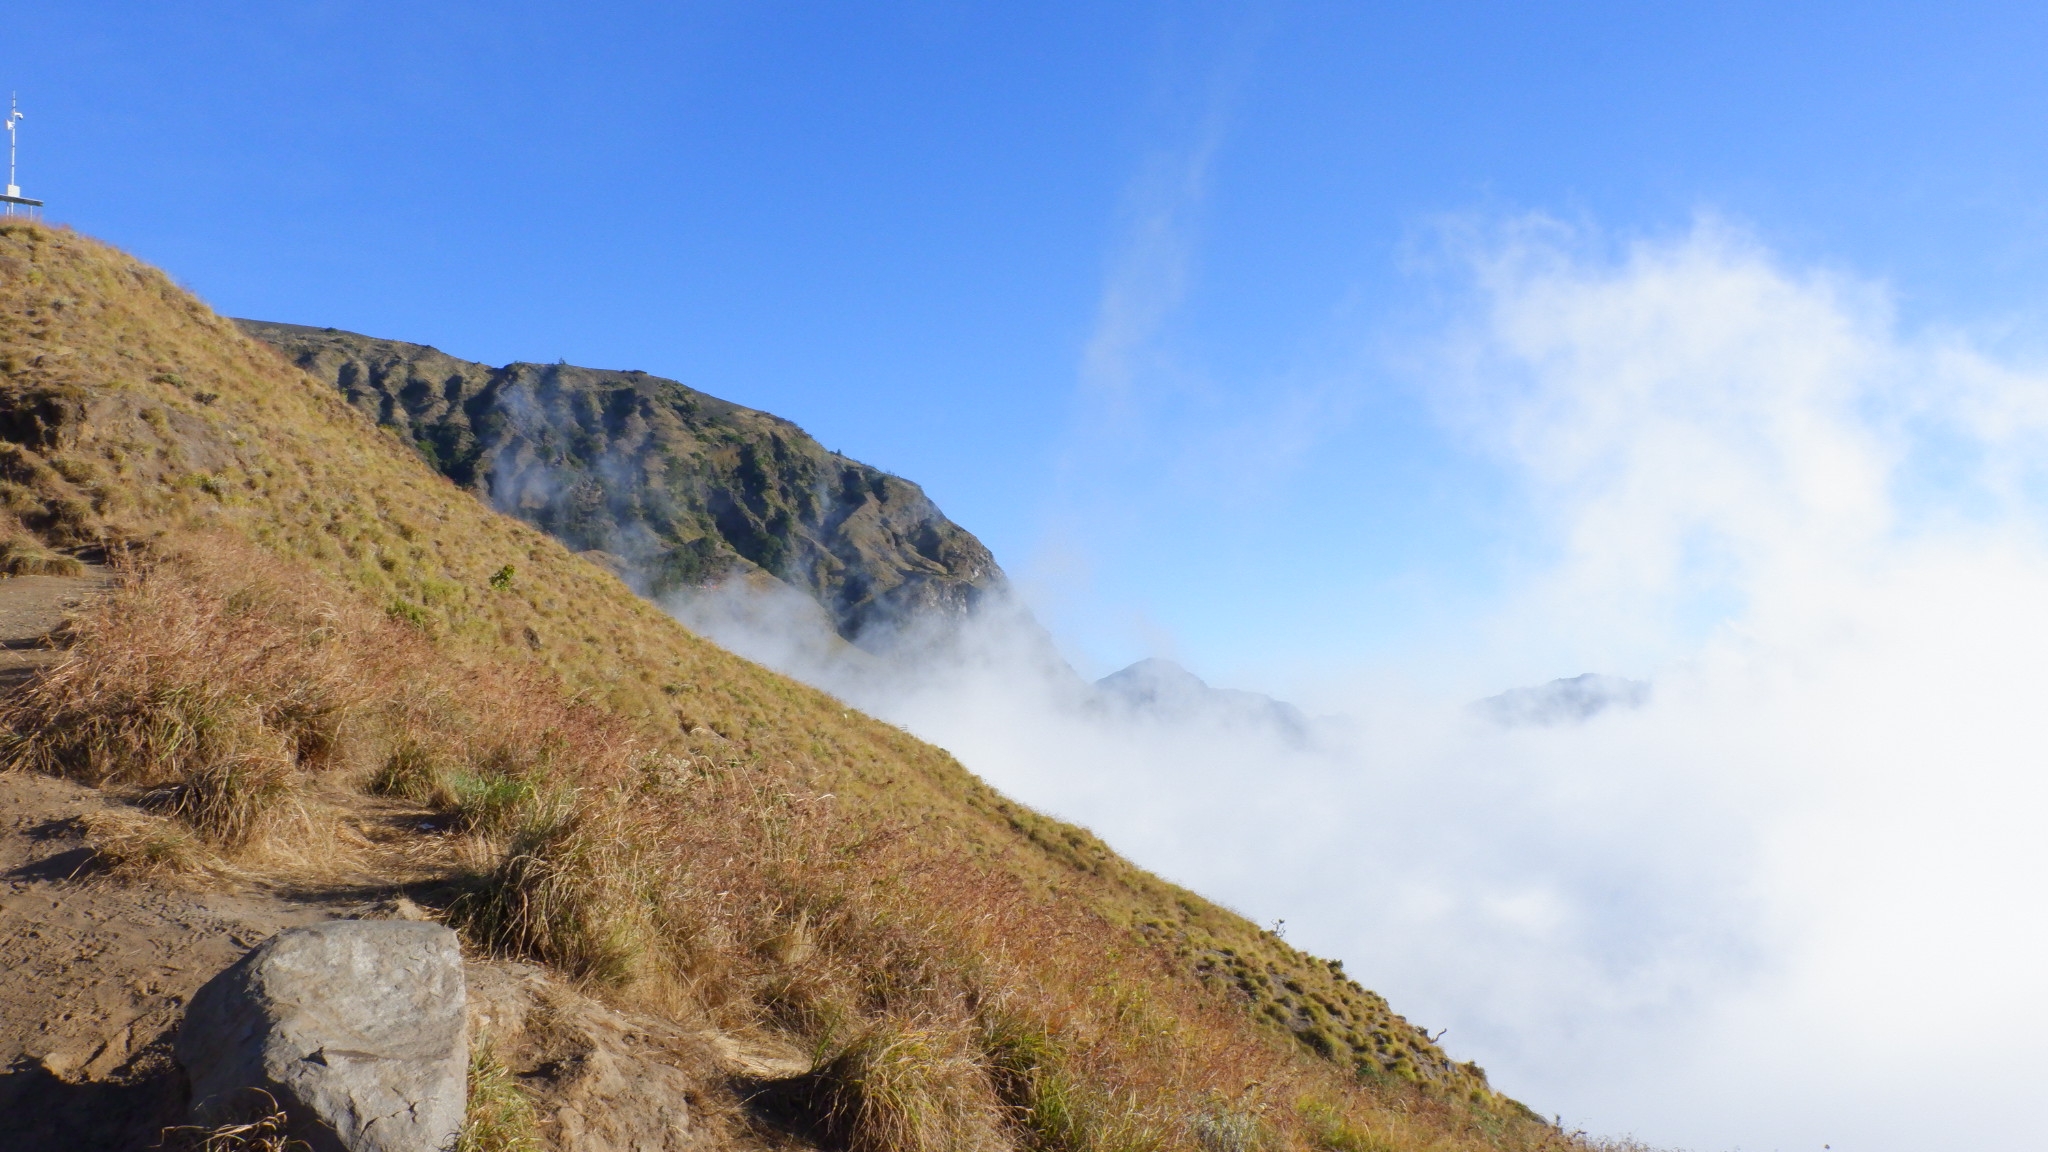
672	486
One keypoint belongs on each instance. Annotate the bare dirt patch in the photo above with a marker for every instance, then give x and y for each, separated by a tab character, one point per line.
31	608
97	973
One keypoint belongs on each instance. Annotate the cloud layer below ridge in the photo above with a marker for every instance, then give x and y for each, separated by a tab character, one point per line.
1791	896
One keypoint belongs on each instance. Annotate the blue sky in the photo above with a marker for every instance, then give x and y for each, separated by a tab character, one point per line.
1385	356
896	224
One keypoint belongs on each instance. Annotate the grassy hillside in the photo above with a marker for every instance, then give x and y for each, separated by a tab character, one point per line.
680	486
636	806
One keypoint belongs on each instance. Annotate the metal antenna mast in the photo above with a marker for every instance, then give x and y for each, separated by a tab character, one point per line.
14	196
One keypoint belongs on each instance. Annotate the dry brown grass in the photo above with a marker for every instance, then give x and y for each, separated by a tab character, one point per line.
950	1003
23	556
307	604
132	844
262	1131
204	705
902	1087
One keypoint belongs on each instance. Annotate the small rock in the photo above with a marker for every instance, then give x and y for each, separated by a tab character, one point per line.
358	1028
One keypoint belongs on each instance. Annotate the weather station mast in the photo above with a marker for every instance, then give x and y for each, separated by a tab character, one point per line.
14	196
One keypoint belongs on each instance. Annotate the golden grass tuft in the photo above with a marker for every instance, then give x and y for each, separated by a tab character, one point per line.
134	844
907	1087
236	793
562	892
23	556
164	686
1050	1108
1330	1130
207	705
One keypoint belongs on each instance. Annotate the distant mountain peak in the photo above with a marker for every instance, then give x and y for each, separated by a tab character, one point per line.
1163	690
1572	700
1150	679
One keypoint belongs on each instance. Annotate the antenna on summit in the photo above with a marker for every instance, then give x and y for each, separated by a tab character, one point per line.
14	196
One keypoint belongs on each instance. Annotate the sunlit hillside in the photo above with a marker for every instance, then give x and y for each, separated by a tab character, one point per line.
309	611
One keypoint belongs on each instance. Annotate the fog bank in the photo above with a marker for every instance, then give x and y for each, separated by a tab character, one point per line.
1785	892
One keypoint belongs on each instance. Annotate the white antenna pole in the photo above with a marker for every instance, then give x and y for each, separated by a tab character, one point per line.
13	118
14	196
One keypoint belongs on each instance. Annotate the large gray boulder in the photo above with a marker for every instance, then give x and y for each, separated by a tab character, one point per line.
358	1028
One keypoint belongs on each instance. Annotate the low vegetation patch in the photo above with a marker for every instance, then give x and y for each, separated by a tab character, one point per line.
500	1116
134	844
23	556
907	1087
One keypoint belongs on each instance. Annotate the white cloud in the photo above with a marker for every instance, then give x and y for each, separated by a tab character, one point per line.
1795	897
1818	532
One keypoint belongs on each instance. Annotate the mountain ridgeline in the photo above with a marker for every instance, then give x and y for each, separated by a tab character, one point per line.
675	487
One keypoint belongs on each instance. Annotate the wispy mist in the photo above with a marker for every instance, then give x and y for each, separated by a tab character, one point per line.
1787	896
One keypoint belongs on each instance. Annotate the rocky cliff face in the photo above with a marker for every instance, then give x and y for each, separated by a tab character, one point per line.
678	488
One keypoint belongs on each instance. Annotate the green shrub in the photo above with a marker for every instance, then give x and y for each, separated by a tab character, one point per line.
407	612
1222	1129
489	803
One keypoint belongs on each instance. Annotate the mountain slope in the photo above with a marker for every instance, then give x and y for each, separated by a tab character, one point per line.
134	419
683	487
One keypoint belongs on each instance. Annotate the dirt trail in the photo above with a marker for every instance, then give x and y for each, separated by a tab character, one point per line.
31	608
95	969
93	973
96	974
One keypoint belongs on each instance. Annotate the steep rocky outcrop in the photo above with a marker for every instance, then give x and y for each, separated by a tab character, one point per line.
678	488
